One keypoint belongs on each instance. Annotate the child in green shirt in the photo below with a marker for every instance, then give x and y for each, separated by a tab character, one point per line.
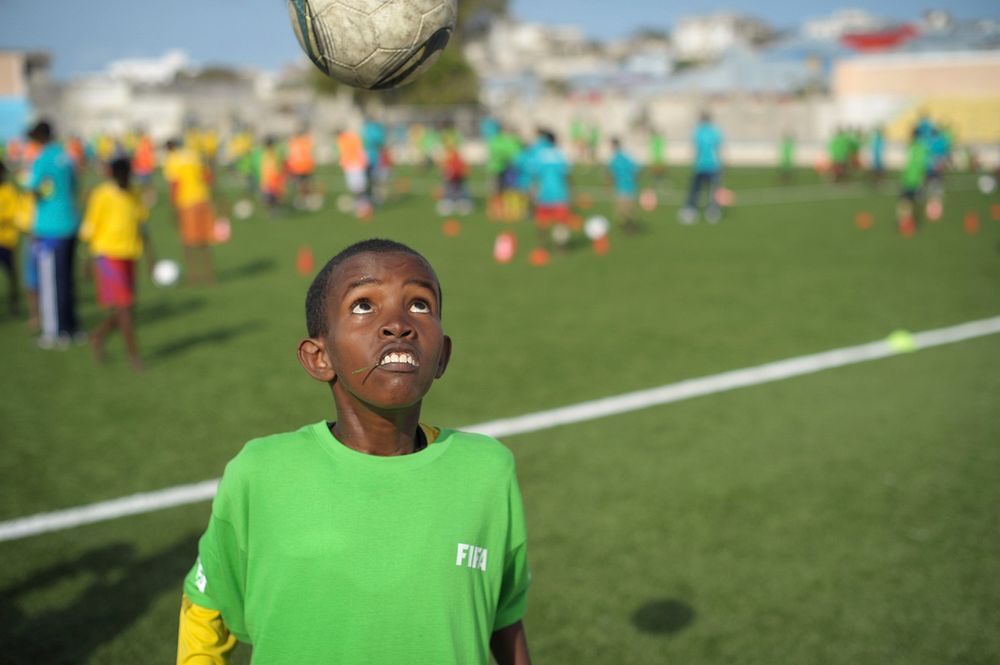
373	538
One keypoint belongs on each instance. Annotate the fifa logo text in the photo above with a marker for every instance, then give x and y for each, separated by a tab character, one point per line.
471	556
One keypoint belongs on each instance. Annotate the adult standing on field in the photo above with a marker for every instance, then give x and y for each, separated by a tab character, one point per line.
53	183
192	198
707	141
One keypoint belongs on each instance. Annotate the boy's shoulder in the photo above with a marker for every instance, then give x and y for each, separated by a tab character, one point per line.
485	449
263	447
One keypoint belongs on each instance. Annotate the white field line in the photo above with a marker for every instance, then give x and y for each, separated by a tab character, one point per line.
146	502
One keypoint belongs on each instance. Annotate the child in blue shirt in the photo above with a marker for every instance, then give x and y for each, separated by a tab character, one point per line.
625	176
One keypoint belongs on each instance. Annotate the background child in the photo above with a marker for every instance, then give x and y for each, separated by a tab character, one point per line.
707	140
53	183
8	237
455	172
272	175
375	538
625	176
549	172
112	228
191	195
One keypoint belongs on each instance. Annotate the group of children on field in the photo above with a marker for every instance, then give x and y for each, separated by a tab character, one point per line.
40	211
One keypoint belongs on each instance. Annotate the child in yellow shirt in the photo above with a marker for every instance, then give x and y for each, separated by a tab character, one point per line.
112	226
8	237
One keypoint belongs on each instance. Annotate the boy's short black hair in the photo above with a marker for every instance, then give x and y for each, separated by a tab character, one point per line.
547	134
121	170
3	172
316	296
41	132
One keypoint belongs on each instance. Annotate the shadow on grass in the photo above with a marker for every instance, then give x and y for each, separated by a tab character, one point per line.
217	336
161	310
120	587
252	268
663	617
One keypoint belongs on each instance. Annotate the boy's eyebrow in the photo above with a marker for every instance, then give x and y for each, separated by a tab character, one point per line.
426	283
361	282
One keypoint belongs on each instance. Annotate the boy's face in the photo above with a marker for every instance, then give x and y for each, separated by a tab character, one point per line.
384	344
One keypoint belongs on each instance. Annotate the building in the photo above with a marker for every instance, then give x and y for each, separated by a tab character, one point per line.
708	37
841	23
959	89
22	75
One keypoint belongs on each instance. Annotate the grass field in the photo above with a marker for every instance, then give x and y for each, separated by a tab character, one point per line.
844	517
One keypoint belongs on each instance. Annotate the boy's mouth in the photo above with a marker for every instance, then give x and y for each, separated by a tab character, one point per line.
398	358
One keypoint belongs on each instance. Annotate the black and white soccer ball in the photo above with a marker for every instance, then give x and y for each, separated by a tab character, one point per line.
375	44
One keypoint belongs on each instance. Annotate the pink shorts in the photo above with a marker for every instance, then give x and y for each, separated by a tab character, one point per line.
115	282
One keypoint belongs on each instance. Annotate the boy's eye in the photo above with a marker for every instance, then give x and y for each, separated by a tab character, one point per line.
362	307
420	307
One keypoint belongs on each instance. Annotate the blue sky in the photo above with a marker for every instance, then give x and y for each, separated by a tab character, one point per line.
85	36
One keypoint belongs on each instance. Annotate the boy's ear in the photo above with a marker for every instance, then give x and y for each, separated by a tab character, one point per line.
313	358
445	357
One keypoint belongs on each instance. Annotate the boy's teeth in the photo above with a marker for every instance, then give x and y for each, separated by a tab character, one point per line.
398	358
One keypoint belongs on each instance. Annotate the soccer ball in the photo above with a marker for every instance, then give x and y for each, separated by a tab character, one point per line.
596	227
375	44
166	272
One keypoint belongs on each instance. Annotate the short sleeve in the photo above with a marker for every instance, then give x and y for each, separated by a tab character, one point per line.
92	215
37	174
217	580
516	573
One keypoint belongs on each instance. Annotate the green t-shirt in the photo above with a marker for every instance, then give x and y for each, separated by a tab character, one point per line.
915	169
317	553
657	149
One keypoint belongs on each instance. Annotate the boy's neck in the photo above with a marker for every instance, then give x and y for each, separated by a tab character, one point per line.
383	435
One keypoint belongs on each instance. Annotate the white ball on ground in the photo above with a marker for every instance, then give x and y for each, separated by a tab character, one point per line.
166	272
596	227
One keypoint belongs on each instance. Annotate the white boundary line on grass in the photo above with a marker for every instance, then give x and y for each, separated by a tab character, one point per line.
146	502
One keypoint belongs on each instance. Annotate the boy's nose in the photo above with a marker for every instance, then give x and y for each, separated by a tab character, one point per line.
396	329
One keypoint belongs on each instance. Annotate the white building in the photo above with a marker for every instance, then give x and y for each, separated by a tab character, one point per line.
551	52
150	71
840	23
709	36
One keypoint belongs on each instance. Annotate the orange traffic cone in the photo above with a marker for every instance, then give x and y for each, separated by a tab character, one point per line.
971	222
539	257
601	245
304	261
864	220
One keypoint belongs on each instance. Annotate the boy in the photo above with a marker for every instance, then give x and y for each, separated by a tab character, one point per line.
373	539
707	140
549	171
354	162
625	175
786	158
912	180
112	227
454	172
192	198
8	237
53	183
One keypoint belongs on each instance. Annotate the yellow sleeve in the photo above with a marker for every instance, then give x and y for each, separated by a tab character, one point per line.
203	638
92	216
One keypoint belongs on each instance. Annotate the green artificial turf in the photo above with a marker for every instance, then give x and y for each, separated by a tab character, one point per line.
847	516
